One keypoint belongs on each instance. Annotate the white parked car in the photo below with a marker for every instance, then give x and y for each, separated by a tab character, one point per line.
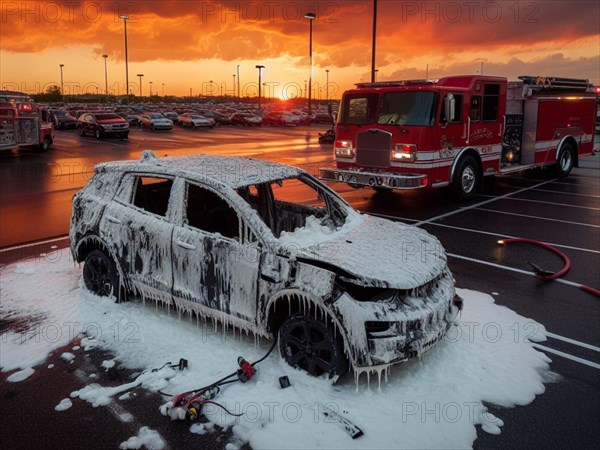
155	121
196	120
269	249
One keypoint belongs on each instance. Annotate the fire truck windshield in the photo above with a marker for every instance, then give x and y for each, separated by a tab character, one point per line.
407	108
391	108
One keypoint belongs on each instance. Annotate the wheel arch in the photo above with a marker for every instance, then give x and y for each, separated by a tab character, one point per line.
569	139
467	151
91	242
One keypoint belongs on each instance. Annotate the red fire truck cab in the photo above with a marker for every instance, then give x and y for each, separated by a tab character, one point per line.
456	130
22	124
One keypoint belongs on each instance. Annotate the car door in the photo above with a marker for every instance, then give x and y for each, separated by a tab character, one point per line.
137	225
214	266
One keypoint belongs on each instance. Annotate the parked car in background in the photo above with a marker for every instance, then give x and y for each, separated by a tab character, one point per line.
62	120
275	252
155	121
102	125
246	119
280	118
195	121
324	118
171	115
132	119
220	118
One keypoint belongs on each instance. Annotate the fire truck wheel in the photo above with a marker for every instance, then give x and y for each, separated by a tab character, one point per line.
309	344
45	145
466	179
565	161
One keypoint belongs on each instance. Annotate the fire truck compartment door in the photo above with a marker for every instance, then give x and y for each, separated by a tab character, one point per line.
530	117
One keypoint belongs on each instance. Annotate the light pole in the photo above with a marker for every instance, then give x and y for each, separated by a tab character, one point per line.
105	75
140	75
163	90
238	82
211	92
234	85
374	40
310	16
62	87
327	91
126	59
259	67
150	88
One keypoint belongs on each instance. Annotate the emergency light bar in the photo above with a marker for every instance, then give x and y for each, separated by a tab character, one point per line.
395	83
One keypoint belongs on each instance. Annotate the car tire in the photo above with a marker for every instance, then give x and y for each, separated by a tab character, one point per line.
466	179
151	127
98	134
309	344
45	145
126	135
565	160
140	125
81	132
100	275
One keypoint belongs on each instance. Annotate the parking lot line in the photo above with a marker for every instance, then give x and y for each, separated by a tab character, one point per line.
566	193
33	244
537	217
471	230
510	269
477	205
544	202
566	355
573	341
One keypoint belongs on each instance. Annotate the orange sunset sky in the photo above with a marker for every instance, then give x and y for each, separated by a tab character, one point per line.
179	45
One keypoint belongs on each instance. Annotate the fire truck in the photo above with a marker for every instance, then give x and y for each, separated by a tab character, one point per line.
22	123
456	130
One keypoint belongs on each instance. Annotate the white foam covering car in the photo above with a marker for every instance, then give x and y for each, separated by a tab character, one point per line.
265	248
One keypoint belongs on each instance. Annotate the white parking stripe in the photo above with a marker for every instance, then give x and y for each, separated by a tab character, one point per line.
476	205
566	193
567	356
573	341
443	225
510	269
544	202
538	217
33	244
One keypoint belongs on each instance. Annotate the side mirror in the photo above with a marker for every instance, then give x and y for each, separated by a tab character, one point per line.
449	107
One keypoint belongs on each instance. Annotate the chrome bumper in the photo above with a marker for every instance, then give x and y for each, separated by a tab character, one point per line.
375	179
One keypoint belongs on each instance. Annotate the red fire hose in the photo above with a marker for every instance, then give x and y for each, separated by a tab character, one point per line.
545	275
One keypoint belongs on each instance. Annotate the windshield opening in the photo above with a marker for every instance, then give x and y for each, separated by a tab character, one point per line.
359	109
289	204
407	108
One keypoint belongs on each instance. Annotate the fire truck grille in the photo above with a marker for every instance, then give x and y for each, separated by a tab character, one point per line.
373	148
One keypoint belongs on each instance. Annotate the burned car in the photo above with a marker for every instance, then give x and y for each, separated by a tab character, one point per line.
268	249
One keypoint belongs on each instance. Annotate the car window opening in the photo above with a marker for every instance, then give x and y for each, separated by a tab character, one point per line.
152	194
207	211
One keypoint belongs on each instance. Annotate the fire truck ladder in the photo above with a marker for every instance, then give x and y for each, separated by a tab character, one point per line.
548	84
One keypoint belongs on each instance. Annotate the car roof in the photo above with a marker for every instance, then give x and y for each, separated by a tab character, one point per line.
231	171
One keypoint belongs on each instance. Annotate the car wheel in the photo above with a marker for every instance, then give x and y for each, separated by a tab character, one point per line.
98	134
310	345
140	125
81	131
100	275
45	145
565	161
126	135
466	180
152	127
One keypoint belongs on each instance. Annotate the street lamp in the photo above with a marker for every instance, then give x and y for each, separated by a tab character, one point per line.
233	85
62	87
327	92
126	59
163	90
374	40
259	67
238	82
105	74
150	88
310	17
211	91
140	75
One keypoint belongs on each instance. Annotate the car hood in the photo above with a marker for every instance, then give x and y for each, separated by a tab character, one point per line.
378	252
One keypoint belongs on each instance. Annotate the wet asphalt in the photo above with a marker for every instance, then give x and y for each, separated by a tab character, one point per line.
35	194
